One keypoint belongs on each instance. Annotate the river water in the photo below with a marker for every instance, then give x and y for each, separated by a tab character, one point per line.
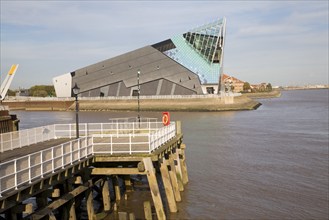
271	163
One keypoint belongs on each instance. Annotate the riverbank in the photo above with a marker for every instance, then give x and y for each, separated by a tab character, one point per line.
183	104
189	105
264	95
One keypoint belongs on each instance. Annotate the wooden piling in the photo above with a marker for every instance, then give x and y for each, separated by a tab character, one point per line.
147	210
116	188
175	156
167	185
128	184
106	195
123	215
90	204
173	179
151	177
182	160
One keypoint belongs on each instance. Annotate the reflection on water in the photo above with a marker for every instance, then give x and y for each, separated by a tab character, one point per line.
270	163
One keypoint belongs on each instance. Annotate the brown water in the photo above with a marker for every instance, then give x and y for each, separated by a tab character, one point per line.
271	163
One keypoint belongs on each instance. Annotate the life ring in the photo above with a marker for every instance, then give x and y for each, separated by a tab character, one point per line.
165	118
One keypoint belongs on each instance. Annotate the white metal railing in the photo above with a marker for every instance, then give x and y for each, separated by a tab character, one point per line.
87	129
18	139
25	169
132	142
142	138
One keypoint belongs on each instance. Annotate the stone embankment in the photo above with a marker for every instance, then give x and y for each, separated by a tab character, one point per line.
191	104
39	105
264	95
243	102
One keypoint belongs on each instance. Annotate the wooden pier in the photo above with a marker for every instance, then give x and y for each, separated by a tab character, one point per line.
61	177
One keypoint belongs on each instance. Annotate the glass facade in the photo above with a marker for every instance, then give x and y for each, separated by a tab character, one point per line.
200	50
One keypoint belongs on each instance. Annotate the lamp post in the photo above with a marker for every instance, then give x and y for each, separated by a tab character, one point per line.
76	91
138	87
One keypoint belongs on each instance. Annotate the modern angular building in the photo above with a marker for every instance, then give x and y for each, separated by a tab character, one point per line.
186	64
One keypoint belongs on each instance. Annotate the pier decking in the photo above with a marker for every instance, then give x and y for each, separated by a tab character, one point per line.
50	164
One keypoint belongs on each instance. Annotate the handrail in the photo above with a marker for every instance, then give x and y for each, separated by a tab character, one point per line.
28	168
22	138
22	170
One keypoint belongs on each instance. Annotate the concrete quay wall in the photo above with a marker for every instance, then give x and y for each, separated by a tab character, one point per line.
184	104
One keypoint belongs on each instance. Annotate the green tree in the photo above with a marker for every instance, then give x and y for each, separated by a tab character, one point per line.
11	92
42	91
246	87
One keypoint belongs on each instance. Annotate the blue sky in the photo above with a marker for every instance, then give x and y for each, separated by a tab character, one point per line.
281	42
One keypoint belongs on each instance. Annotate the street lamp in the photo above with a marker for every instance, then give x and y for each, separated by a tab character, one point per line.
76	91
138	87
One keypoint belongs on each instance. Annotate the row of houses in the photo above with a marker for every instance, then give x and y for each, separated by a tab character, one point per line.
233	84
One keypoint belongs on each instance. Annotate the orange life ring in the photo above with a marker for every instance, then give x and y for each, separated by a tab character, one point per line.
165	119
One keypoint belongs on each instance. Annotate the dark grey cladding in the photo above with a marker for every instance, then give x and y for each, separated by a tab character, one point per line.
160	75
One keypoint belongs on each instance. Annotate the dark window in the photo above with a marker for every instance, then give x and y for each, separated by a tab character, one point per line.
210	90
135	92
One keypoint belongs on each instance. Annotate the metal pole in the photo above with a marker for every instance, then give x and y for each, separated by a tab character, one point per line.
139	119
77	115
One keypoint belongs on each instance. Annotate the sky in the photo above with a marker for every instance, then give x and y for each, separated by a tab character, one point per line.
280	42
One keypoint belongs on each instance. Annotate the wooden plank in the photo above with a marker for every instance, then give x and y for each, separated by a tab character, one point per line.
115	171
152	180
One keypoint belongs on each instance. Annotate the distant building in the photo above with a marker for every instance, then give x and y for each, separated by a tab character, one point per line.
186	64
236	85
262	87
22	92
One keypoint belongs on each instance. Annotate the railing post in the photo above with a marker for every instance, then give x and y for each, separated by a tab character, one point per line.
129	143
79	153
41	164
11	141
111	144
29	164
86	130
86	149
117	129
134	129
35	135
15	169
70	130
62	156
92	144
149	136
71	149
52	160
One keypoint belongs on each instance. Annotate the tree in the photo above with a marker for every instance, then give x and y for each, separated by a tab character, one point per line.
11	92
269	87
42	91
246	87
